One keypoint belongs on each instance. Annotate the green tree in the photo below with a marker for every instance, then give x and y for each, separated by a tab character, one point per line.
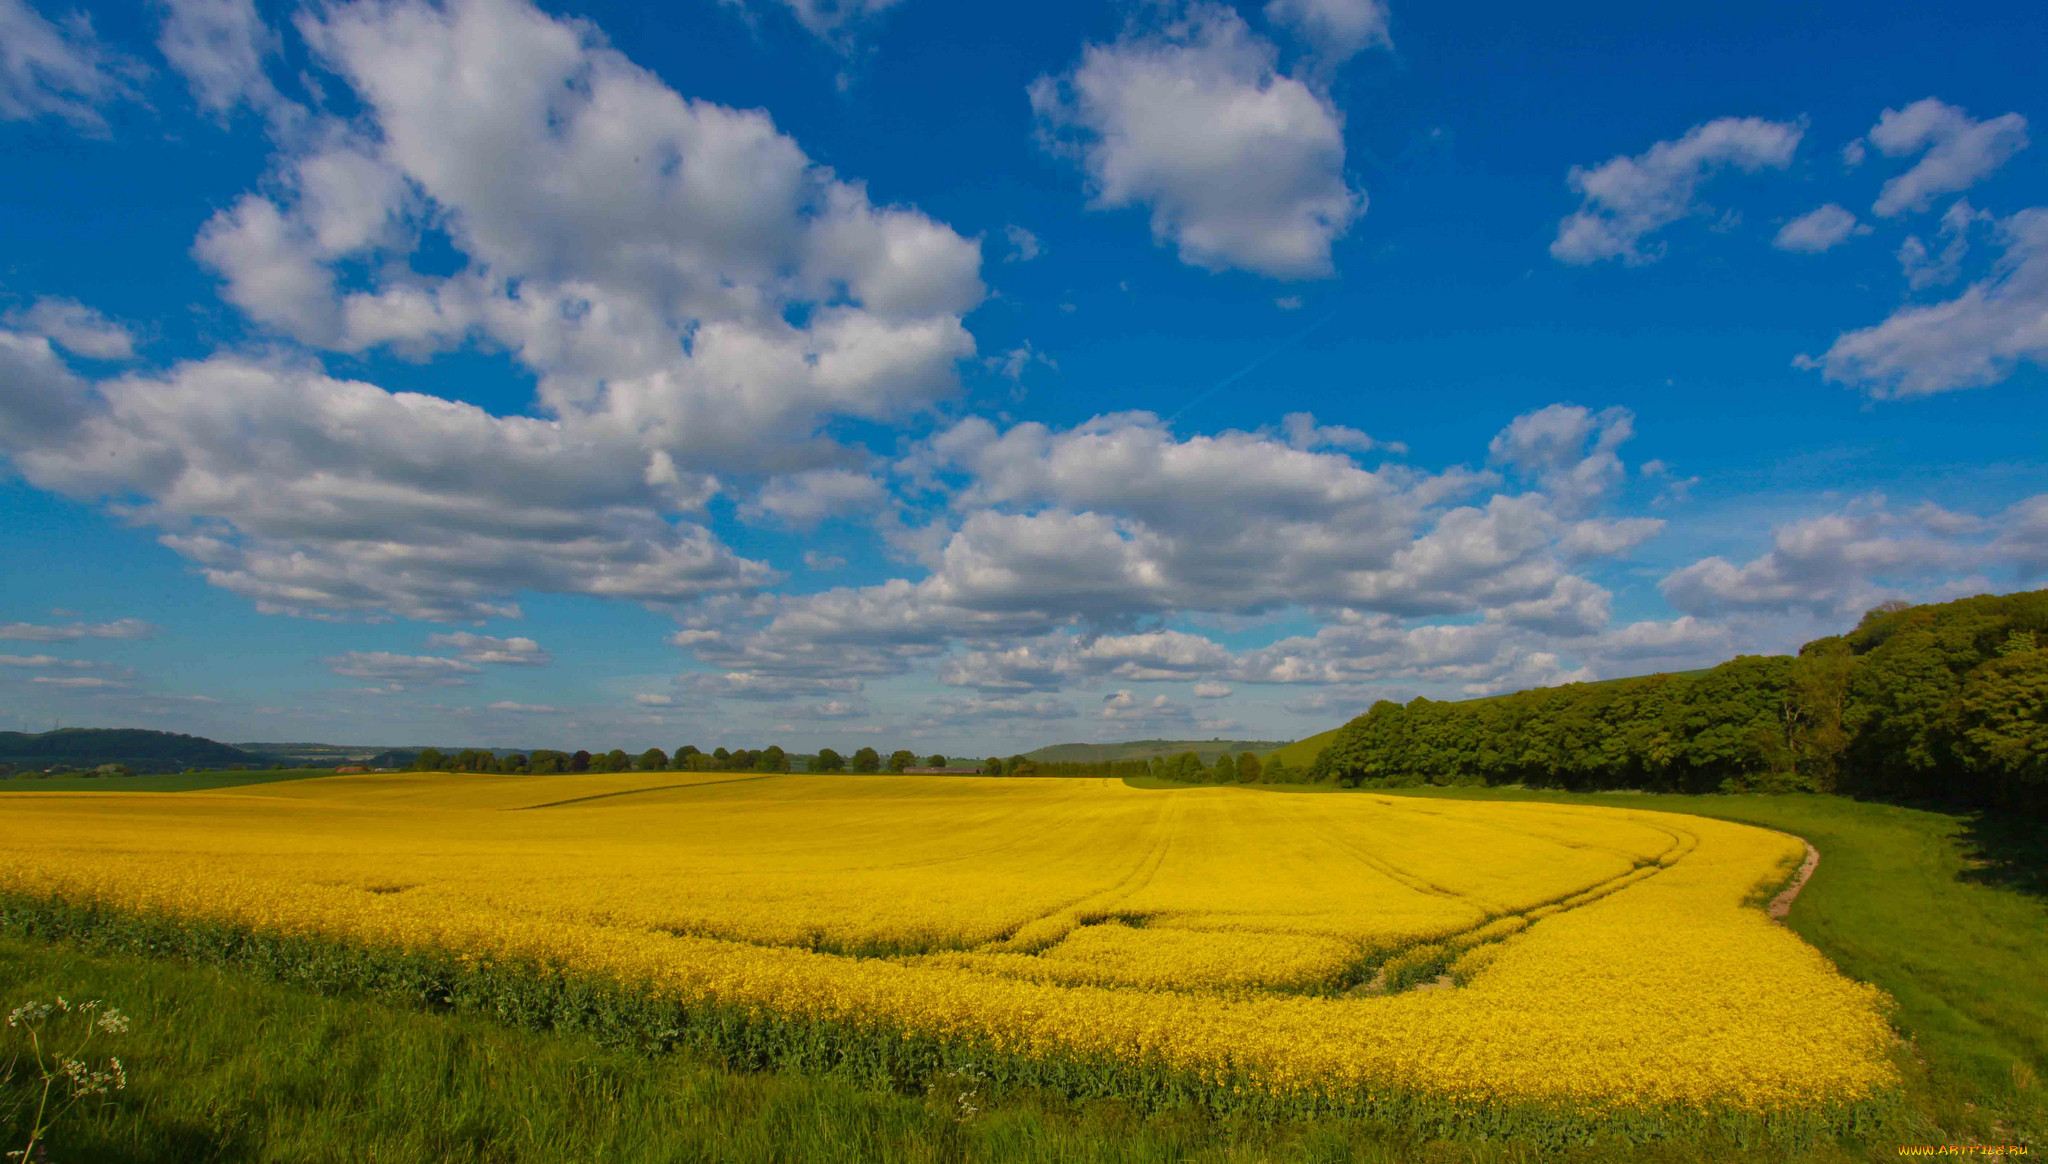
720	755
429	760
828	760
682	756
579	761
1248	768
867	760
2004	717
992	767
652	760
1225	771
771	759
935	760
901	759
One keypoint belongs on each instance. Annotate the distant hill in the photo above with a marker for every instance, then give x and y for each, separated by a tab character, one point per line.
1208	750
138	749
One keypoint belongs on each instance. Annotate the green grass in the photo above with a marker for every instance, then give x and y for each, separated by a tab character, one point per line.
1942	911
157	782
1303	752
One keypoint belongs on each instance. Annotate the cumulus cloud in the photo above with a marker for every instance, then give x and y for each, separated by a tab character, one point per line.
1956	152
1334	30
1239	165
475	648
59	70
219	47
402	670
1569	451
805	499
1063	541
1923	268
1626	199
124	628
1024	246
1125	707
1818	230
76	328
1974	339
686	286
834	21
311	495
1839	564
1210	689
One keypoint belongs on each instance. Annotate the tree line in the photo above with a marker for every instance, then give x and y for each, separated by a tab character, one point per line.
1942	703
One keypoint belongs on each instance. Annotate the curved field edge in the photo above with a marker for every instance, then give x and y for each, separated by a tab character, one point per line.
529	995
1943	911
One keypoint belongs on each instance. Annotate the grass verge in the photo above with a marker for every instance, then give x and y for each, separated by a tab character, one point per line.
155	781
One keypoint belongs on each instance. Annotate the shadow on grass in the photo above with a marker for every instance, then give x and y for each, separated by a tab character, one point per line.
2006	850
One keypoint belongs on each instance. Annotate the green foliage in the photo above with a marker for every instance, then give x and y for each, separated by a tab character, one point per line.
771	759
1940	703
867	760
992	767
828	760
652	760
901	759
935	760
137	749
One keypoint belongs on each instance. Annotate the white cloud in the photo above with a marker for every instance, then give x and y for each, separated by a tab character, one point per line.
125	628
1334	30
813	560
836	22
1011	364
81	682
1209	689
1922	268
1974	339
1818	230
687	288
1569	452
311	495
219	47
76	328
59	71
525	708
42	661
1626	199
40	398
475	648
1124	707
1239	165
1024	246
755	686
402	670
1959	151
805	499
1840	564
654	699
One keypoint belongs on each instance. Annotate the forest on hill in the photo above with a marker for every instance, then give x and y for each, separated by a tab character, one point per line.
1942	703
135	749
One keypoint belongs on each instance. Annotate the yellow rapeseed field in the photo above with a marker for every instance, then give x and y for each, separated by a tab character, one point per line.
1605	957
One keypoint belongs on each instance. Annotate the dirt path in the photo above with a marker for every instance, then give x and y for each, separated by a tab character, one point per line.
1782	904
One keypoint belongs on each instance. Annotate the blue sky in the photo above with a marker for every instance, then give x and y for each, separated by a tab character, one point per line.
921	375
